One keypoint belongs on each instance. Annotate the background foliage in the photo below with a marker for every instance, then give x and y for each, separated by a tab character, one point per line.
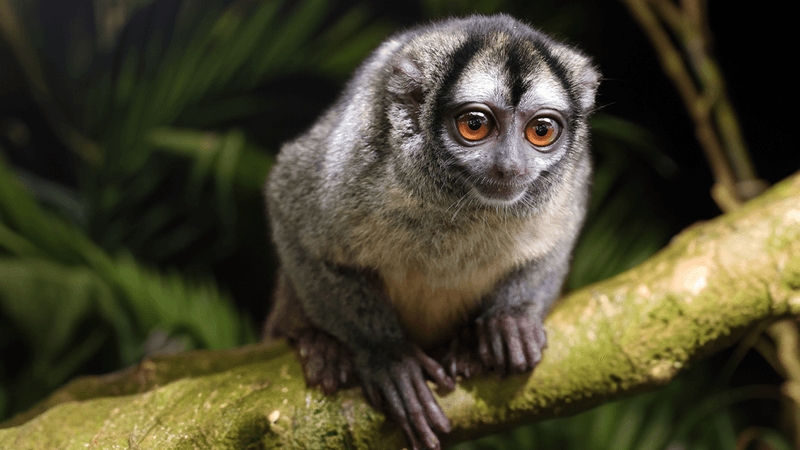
135	136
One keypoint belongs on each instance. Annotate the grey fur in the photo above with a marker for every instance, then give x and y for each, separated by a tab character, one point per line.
393	232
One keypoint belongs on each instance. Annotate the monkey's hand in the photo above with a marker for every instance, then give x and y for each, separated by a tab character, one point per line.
510	341
399	388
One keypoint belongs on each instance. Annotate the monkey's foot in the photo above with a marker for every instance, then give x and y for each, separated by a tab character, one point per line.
510	342
460	357
326	362
399	388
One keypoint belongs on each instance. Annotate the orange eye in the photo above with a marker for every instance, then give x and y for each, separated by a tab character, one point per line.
474	125
542	131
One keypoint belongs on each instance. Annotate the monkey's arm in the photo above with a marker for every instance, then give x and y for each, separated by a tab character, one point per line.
510	329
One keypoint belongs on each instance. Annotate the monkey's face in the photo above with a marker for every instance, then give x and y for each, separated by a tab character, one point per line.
500	151
509	123
496	115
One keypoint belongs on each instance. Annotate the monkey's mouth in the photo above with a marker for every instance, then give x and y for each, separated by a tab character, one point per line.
499	193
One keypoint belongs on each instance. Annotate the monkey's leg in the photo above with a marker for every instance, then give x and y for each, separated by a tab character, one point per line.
350	305
326	362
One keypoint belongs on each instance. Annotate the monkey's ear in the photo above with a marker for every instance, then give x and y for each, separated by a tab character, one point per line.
588	81
406	81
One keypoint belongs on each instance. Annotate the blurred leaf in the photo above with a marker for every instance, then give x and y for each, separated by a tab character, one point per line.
177	302
347	42
68	295
774	440
208	149
35	232
51	194
155	204
54	278
223	55
110	18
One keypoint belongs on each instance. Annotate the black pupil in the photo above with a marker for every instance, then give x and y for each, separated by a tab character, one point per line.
542	129
474	123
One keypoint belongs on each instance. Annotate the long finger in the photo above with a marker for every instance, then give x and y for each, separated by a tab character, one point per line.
374	396
433	411
483	344
451	358
432	368
541	335
496	340
329	378
415	410
397	410
530	344
516	355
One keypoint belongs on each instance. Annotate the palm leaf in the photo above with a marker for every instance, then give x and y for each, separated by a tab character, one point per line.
55	278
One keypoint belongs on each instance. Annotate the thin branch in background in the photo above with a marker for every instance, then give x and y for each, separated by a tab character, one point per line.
701	85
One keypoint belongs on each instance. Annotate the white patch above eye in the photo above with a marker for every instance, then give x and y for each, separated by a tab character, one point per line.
545	92
477	84
488	83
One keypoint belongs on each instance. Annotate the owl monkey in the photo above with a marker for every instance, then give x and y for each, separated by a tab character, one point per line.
434	205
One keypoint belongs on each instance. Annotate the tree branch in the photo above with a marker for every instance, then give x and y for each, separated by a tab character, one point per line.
625	335
682	39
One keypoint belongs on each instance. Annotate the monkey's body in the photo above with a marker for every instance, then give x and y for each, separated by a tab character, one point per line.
394	226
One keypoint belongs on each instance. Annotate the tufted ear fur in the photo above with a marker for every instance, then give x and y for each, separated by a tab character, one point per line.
405	81
588	79
405	88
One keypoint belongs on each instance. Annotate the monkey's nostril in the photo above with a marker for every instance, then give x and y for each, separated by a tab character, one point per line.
506	173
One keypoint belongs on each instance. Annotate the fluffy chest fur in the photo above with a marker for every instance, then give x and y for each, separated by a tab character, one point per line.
435	273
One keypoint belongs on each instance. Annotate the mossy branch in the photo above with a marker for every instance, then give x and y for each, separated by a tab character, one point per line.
625	335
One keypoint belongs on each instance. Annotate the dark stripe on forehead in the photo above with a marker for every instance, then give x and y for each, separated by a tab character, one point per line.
519	63
458	62
562	75
438	166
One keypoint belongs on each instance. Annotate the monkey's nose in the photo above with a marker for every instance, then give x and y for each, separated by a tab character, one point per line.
507	172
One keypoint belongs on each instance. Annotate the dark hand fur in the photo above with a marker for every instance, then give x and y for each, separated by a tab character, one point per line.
392	232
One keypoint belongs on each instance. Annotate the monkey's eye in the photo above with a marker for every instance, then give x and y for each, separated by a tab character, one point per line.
474	125
542	131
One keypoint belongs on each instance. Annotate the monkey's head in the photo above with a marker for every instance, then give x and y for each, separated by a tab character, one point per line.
488	112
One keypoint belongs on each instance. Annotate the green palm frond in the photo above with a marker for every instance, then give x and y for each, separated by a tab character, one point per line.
248	44
54	282
157	121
